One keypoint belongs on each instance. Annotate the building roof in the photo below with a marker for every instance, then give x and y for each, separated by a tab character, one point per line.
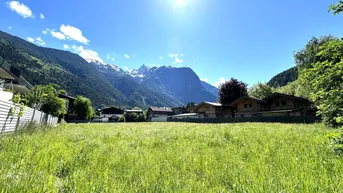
10	73
161	109
247	98
211	103
134	111
276	94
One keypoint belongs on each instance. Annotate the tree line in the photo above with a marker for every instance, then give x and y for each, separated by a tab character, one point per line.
320	78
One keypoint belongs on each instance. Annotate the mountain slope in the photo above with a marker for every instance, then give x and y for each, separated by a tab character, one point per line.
137	95
211	89
284	77
45	65
180	83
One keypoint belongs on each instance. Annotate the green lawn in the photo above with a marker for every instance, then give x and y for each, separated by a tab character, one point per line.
171	157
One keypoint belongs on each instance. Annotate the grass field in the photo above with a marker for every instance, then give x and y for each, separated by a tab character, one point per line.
171	157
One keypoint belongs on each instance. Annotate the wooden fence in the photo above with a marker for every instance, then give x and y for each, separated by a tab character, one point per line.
9	122
281	119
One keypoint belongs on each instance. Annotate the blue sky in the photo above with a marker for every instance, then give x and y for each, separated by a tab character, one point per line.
219	39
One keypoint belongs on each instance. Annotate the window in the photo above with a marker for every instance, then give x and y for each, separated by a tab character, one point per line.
245	106
283	103
250	105
277	103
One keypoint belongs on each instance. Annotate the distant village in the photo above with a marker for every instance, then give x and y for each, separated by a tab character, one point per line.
275	105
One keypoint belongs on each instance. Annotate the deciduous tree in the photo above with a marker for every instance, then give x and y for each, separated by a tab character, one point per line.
260	90
231	90
83	108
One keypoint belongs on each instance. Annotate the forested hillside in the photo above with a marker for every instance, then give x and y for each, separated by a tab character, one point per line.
284	77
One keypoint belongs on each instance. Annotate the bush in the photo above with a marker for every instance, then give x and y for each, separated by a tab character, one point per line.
122	119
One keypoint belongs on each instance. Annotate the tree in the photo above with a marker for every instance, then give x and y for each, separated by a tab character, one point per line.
336	9
137	108
231	90
45	98
308	55
324	76
260	90
83	108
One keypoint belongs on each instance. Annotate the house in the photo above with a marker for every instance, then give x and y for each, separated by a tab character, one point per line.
11	78
111	114
159	114
248	106
213	110
192	108
69	103
275	105
179	110
286	105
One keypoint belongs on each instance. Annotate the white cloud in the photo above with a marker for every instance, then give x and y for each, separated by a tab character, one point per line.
65	46
204	79
108	56
126	68
30	39
112	59
58	35
87	54
44	32
40	41
73	33
20	8
173	55
219	82
9	27
160	58
178	60
41	16
126	56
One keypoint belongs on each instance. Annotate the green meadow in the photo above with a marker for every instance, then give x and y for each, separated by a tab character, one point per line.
171	157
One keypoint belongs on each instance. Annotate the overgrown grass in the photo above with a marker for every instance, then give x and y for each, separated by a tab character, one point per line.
171	157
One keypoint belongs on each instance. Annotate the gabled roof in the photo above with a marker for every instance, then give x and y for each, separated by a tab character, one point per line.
211	103
161	109
276	94
247	98
134	111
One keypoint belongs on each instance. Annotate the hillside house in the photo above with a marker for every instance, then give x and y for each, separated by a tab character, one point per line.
275	105
159	114
213	110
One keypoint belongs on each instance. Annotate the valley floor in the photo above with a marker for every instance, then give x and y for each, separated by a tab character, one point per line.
171	157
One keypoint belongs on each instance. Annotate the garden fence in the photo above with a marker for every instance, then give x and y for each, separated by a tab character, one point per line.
10	119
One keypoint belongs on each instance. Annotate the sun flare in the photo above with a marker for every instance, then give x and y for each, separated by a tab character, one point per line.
179	3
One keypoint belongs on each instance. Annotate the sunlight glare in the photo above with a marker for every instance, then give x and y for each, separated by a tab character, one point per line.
179	3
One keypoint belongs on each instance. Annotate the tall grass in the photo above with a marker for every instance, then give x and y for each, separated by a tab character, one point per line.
171	157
